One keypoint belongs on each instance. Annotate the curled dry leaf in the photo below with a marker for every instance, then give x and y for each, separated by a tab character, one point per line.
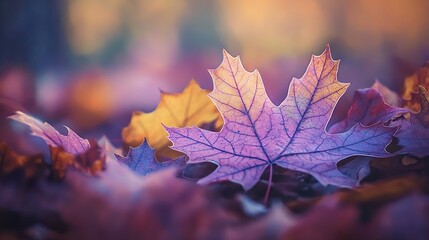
90	161
258	134
66	150
411	87
191	107
413	135
389	96
423	114
369	108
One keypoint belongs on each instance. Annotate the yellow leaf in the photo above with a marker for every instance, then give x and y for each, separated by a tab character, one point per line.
192	107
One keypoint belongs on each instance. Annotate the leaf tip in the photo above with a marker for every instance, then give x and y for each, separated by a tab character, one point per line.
169	130
193	84
328	48
145	144
161	91
226	55
327	52
18	116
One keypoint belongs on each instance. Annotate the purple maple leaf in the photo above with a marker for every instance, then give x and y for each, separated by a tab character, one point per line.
258	134
71	142
142	160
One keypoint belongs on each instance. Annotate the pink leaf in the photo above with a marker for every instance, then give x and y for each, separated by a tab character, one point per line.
70	143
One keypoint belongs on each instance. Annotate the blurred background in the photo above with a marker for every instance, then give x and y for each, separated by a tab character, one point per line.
90	63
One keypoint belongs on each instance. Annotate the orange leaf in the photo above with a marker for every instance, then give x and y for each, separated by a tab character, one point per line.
411	87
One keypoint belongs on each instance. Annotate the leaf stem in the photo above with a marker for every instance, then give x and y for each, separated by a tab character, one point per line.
270	181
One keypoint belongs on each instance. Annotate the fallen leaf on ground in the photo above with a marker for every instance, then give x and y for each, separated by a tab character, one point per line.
71	142
369	108
90	161
141	160
191	107
411	87
258	134
389	96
